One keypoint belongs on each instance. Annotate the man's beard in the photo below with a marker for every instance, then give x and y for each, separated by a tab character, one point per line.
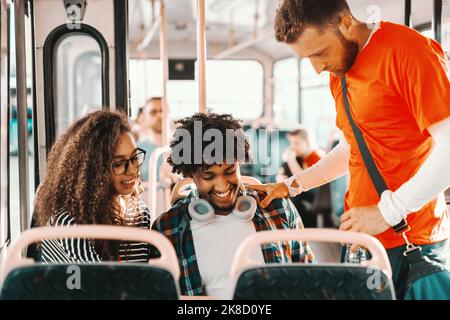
351	49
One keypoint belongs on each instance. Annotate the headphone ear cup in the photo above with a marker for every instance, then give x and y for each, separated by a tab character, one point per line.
245	208
201	211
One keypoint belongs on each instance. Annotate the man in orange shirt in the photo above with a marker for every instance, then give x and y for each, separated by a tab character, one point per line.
399	96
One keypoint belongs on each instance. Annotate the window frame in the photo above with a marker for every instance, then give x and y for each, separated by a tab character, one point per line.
299	100
263	97
50	45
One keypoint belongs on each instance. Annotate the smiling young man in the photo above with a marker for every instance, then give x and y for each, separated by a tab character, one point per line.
206	249
399	97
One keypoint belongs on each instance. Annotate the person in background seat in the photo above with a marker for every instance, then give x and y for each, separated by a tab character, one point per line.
150	130
298	156
93	178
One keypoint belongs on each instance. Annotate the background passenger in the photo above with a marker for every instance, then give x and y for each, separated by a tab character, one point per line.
298	156
149	126
205	249
150	131
93	178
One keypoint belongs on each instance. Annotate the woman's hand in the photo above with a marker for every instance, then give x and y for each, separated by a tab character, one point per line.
273	191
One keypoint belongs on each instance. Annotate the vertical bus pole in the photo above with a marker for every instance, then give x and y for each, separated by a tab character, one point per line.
437	20
256	18
408	13
201	55
21	85
164	53
164	56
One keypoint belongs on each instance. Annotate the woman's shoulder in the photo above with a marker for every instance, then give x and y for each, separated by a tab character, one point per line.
61	218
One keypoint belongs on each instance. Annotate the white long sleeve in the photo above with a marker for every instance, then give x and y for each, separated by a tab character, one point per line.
329	168
430	180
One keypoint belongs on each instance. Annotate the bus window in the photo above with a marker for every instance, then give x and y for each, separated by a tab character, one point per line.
421	15
428	33
242	96
78	85
317	106
286	92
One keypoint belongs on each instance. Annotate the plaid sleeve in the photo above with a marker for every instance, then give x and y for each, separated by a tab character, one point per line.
300	250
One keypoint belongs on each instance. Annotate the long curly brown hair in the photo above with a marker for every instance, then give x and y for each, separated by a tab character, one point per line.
78	177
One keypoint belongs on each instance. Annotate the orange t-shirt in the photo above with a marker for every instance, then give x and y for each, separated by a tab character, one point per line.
397	87
311	159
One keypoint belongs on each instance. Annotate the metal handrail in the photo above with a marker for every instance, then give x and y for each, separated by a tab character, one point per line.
21	78
201	55
153	181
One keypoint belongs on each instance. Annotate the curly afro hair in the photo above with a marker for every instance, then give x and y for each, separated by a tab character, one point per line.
191	155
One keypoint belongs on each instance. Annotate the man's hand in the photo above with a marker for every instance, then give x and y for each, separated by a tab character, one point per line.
273	191
364	219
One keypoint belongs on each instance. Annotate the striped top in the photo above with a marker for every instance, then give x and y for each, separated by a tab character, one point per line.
83	250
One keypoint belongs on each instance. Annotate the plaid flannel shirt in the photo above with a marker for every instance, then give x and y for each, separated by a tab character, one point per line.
279	215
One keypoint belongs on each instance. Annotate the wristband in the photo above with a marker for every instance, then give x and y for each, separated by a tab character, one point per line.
293	191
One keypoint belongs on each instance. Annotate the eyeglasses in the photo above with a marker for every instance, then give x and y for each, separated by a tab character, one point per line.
121	167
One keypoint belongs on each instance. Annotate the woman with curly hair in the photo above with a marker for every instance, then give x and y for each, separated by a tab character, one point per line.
93	177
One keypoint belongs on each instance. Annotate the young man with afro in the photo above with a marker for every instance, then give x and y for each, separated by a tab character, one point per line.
206	247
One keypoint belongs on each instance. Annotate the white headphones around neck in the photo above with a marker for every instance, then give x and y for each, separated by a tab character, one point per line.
202	211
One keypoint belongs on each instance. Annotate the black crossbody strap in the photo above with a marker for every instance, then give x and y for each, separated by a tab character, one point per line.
375	176
374	173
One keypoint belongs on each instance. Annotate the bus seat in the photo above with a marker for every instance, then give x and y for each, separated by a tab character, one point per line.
23	278
338	188
156	194
181	188
371	280
322	206
250	180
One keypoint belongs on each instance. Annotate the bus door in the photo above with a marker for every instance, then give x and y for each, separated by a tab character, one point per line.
81	60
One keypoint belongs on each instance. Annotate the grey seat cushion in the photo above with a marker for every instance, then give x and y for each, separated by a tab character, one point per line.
313	282
105	281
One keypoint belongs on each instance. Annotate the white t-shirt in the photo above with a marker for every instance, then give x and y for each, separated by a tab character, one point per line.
215	246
